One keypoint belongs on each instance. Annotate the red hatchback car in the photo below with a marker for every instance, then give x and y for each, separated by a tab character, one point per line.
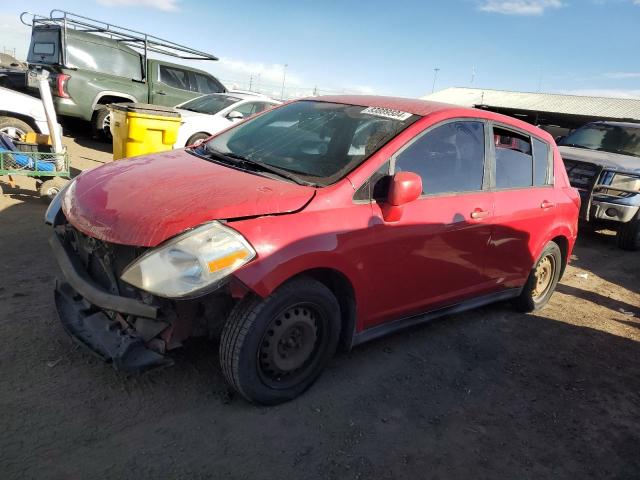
324	222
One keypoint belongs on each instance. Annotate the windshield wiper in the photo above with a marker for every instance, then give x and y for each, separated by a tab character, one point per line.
254	165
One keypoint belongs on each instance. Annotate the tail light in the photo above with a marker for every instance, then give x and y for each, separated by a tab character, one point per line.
61	86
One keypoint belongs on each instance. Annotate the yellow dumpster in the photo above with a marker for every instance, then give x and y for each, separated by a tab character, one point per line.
140	128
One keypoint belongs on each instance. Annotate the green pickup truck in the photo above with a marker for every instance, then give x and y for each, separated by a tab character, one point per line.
93	64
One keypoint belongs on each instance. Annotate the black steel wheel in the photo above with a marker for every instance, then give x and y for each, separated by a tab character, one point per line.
273	349
542	280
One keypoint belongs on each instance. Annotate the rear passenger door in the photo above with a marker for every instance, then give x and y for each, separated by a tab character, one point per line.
173	86
525	203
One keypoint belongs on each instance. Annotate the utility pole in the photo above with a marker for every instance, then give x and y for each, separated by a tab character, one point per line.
284	76
250	82
473	74
435	77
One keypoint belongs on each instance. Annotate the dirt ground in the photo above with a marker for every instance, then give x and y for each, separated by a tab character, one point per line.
486	394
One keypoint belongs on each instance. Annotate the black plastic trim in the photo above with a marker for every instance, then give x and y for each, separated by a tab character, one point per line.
81	283
403	323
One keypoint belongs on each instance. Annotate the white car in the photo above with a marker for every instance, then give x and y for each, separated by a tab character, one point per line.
210	114
20	113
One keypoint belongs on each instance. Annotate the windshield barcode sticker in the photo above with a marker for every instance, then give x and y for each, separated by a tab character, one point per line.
386	113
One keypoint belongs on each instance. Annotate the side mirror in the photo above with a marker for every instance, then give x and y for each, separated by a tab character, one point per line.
559	138
405	187
235	115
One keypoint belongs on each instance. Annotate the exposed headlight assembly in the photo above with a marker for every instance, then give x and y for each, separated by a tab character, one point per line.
190	264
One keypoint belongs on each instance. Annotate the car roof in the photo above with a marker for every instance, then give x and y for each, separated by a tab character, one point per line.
425	108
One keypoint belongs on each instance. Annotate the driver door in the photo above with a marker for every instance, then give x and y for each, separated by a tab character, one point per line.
434	255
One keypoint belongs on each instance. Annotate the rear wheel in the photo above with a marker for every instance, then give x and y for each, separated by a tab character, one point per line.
101	123
15	128
273	349
542	280
628	236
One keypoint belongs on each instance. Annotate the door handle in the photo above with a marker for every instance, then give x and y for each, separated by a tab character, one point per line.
160	93
546	204
477	214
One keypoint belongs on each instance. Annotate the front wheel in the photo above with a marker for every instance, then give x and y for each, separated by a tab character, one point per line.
628	236
273	349
542	280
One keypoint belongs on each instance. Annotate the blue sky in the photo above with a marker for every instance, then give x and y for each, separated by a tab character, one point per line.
388	47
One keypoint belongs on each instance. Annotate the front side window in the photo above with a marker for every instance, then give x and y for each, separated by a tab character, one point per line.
209	104
174	77
449	158
312	139
623	139
514	159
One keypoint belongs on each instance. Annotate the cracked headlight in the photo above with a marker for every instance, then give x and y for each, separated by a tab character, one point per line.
190	264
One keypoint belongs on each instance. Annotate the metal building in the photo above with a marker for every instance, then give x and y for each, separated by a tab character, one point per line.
547	109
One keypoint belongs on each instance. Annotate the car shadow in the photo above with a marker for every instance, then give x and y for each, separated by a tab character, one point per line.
599	299
597	252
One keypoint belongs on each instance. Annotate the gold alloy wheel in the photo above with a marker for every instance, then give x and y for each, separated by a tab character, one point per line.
543	275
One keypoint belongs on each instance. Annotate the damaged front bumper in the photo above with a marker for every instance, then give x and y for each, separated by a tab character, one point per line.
94	317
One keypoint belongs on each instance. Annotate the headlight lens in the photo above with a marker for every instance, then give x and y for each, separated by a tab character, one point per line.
626	181
190	264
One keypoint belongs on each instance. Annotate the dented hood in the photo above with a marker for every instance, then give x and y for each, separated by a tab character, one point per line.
148	199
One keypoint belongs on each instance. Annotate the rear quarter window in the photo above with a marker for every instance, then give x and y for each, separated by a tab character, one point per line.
541	163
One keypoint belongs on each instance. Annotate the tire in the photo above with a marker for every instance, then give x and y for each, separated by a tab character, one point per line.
195	137
531	299
273	349
50	188
14	127
628	236
101	123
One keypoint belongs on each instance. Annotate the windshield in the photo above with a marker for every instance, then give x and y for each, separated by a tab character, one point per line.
210	104
317	140
609	138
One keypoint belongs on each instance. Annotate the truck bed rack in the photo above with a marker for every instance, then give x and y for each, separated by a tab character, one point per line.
140	41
